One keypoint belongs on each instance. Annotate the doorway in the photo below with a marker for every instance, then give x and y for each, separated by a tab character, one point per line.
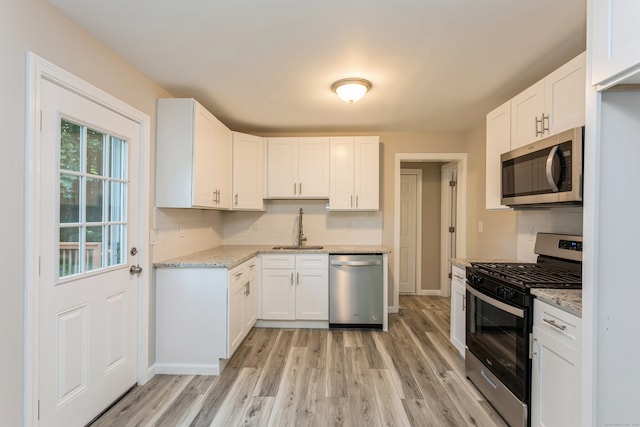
459	239
88	209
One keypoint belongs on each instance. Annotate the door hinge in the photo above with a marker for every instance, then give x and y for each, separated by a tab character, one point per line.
530	345
452	229
450	276
452	183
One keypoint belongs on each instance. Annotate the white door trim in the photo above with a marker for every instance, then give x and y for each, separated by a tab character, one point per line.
37	70
461	218
418	174
445	240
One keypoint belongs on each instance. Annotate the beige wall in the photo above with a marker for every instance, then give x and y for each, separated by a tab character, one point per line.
498	238
430	222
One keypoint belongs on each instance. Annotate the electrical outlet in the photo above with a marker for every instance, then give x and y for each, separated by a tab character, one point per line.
480	226
180	231
348	226
532	234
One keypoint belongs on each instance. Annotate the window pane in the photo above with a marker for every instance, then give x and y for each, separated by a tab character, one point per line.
69	251
94	199
70	146
117	207
117	242
118	158
69	199
93	248
95	148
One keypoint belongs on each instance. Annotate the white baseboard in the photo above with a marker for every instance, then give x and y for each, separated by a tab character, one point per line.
302	324
430	292
186	369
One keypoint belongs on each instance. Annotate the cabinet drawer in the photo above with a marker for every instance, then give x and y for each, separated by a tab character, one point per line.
312	262
458	274
566	327
278	261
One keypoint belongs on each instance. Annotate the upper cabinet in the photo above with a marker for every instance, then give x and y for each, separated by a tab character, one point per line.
355	176
248	174
298	168
615	42
193	156
552	105
498	142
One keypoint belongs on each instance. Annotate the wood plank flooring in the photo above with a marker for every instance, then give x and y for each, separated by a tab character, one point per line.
409	376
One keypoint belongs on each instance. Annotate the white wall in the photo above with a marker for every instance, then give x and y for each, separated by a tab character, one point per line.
566	220
278	225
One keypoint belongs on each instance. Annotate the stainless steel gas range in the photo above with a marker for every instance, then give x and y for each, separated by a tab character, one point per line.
499	320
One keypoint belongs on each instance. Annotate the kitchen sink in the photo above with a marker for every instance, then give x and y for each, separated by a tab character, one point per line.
298	248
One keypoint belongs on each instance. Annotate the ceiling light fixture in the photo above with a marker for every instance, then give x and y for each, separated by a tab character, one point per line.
352	89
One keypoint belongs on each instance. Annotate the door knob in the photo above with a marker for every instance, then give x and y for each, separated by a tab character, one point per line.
135	269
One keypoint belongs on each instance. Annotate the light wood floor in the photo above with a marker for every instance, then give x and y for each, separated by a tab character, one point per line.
410	376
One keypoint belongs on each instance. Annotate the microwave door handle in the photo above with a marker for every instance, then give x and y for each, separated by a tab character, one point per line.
550	178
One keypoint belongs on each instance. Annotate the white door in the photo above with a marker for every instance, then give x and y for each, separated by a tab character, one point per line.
87	296
408	231
449	199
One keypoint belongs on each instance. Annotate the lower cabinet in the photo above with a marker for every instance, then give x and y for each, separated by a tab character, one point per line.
295	287
202	316
458	307
556	367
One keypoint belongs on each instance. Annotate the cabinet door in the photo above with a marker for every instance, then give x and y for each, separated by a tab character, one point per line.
282	167
367	173
278	295
458	308
555	384
236	317
312	294
341	165
247	172
526	108
313	167
250	306
498	142
203	157
565	96
222	164
615	39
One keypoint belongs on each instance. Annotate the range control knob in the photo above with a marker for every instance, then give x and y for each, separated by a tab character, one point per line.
474	279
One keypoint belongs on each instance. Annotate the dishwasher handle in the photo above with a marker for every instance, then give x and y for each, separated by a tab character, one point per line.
357	263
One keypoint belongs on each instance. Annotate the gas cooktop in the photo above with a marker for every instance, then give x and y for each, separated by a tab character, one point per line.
530	275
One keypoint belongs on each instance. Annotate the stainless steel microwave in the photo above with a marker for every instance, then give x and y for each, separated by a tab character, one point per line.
544	173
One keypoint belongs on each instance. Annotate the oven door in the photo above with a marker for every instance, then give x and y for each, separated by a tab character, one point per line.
498	336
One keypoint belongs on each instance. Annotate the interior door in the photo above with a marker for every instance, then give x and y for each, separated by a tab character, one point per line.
87	354
408	231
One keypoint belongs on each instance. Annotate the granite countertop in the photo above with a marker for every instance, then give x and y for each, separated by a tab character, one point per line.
466	262
229	256
569	300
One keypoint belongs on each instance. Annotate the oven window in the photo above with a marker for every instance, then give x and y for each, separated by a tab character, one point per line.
499	340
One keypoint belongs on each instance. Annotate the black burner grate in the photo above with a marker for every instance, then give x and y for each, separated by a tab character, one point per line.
531	274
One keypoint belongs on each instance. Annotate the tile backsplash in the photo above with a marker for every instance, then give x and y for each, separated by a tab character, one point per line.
278	225
556	220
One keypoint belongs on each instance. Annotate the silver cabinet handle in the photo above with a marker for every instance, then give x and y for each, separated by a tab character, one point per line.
553	323
549	168
298	279
545	117
238	274
291	278
236	201
356	200
300	190
539	122
457	276
351	200
247	289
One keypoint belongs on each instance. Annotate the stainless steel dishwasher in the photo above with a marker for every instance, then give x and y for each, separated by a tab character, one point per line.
355	291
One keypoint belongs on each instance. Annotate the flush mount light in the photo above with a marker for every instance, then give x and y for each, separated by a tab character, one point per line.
352	89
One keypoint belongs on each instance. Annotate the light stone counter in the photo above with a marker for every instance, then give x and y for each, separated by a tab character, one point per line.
569	300
229	256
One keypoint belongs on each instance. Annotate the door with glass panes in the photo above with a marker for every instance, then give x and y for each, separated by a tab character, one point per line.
87	293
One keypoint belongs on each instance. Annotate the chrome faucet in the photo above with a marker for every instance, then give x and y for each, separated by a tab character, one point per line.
301	237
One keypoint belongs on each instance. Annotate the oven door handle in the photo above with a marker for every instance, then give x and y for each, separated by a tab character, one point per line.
494	302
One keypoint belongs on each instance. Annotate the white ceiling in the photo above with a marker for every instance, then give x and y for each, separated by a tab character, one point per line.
268	65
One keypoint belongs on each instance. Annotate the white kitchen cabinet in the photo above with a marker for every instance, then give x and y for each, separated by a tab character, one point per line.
248	176
355	173
298	168
295	287
552	105
556	367
193	157
202	316
458	307
498	142
615	42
